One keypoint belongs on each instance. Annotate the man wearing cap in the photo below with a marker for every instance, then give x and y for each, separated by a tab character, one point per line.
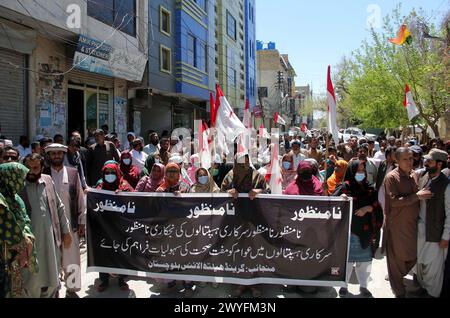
401	214
433	225
51	228
99	153
68	185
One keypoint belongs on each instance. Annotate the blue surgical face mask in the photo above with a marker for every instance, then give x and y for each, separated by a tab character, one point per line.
286	165
127	161
110	178
359	177
203	180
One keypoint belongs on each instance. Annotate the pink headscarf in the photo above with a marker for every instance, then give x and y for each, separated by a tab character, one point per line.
301	187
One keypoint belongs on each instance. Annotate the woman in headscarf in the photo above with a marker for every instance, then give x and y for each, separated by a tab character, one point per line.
131	136
306	183
173	183
288	171
112	180
244	179
152	182
151	160
193	166
338	176
365	226
17	251
204	183
315	169
129	171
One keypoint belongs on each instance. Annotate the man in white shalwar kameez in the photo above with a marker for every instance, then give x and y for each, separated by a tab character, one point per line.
434	225
68	185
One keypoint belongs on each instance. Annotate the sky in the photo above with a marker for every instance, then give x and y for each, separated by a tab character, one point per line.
319	33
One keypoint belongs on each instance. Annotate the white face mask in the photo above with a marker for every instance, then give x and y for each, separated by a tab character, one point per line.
127	161
110	178
203	180
196	164
157	161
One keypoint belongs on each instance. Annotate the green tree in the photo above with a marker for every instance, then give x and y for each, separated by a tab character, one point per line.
370	85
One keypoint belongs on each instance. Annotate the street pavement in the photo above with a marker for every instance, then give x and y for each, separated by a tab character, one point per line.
148	288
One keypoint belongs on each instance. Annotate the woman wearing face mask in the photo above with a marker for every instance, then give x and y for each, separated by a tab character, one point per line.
152	182
17	250
338	176
173	183
366	223
288	172
129	171
305	183
112	180
204	182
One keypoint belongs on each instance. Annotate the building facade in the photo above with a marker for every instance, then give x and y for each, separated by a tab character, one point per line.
230	49
73	62
276	84
250	52
181	68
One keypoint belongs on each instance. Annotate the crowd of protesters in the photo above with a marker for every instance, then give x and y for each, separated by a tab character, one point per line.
400	189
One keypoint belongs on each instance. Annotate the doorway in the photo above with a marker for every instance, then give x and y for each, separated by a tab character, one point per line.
76	111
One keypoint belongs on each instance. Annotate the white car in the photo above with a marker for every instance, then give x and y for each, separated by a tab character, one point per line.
353	131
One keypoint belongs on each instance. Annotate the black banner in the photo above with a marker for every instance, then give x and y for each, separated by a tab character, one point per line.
214	238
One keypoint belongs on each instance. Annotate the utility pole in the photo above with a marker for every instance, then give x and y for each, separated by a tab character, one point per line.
280	79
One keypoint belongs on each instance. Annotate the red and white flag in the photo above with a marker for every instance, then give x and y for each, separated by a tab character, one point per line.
410	105
247	115
273	175
227	121
332	113
279	120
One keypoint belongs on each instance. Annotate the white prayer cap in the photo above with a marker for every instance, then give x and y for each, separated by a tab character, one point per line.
55	147
176	159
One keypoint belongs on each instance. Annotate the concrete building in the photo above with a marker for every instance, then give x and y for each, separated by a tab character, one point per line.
230	49
276	84
70	65
250	52
181	68
303	94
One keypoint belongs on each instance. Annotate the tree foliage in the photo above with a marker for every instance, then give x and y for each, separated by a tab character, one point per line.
370	85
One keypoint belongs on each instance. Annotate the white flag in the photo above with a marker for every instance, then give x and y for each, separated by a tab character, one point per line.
410	105
227	121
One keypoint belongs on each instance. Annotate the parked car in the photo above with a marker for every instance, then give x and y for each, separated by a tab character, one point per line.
354	131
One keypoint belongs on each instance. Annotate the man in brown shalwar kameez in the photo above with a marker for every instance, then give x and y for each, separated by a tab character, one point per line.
401	216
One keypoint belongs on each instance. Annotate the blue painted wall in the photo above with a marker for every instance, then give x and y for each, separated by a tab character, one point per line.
193	20
250	51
